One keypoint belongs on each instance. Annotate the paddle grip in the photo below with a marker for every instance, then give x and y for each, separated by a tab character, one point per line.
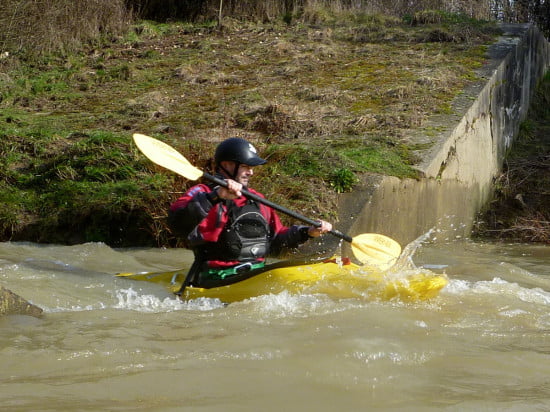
279	208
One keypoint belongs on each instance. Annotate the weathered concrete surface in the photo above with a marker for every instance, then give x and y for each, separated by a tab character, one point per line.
12	304
465	154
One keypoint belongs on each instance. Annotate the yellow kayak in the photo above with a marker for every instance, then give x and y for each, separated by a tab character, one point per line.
335	277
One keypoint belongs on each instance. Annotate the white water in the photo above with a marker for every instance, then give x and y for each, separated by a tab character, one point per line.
107	343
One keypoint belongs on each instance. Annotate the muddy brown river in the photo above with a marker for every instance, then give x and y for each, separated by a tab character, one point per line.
107	343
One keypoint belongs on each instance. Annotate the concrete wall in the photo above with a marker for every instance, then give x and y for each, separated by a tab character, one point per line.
464	157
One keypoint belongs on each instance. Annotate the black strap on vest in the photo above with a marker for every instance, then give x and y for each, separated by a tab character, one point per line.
193	273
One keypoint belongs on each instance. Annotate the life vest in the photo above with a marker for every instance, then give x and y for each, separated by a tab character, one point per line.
245	236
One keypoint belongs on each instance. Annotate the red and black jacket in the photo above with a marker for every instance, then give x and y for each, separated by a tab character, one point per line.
202	220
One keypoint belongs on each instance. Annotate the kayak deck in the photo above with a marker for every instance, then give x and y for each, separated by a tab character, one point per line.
335	277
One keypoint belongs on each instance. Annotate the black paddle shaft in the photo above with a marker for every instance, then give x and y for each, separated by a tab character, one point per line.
279	208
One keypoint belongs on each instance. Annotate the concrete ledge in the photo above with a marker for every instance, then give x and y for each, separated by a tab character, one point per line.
465	155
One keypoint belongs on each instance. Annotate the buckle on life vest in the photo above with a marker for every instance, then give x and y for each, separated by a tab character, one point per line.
235	270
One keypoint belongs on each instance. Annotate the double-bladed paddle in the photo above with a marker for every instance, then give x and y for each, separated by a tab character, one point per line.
369	248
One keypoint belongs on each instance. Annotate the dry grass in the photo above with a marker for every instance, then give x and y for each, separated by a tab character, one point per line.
38	27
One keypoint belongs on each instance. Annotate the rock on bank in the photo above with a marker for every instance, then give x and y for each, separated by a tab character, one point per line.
12	304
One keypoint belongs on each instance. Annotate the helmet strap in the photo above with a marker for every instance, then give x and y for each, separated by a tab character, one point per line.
235	171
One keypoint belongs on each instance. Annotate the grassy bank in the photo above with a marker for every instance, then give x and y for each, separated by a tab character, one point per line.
325	101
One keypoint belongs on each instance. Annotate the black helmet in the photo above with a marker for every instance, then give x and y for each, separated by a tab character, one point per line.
238	150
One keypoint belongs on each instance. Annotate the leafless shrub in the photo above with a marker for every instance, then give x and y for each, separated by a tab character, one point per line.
534	228
427	17
521	209
39	27
311	11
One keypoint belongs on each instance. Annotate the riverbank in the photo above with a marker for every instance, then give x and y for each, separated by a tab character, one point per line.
326	102
520	210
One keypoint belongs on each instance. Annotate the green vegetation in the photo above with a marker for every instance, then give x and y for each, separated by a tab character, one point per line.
71	187
326	98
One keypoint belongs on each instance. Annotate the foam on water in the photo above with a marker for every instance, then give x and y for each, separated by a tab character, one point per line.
132	300
497	286
285	304
64	279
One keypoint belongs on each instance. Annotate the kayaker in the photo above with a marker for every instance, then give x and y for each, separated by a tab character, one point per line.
229	233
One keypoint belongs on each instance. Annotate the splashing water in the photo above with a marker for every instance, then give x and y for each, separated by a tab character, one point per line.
132	300
106	343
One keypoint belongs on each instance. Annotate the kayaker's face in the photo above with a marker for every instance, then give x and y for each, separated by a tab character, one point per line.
244	172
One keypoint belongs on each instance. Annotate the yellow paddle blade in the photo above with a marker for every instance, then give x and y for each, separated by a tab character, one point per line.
376	250
168	277
166	156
